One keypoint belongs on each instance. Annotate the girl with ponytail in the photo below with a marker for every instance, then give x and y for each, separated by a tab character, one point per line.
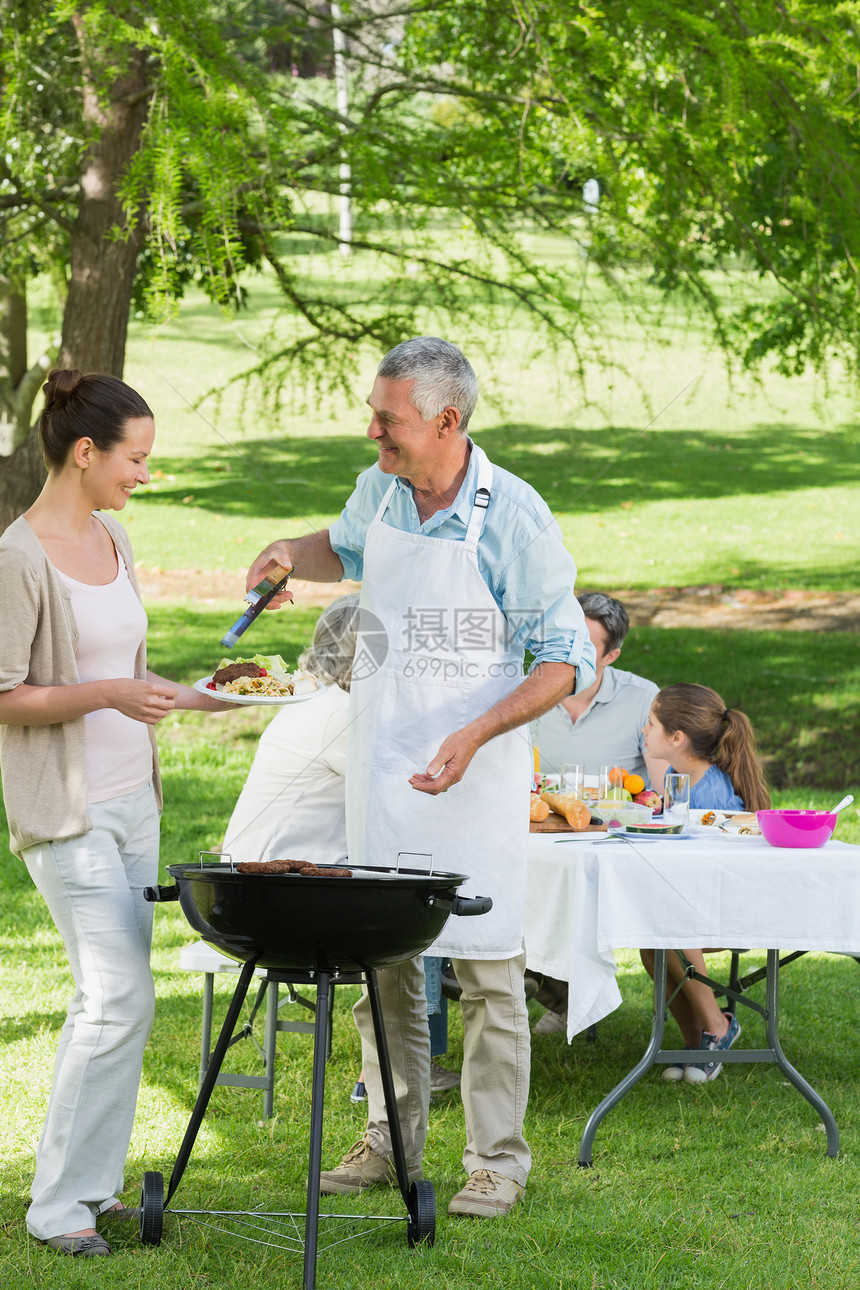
711	743
690	727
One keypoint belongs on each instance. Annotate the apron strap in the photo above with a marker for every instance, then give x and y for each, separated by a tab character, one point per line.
479	505
481	500
386	498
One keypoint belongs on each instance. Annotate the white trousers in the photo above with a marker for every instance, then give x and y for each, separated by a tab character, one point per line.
93	887
496	1062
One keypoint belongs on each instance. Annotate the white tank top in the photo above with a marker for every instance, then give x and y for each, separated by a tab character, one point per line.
111	627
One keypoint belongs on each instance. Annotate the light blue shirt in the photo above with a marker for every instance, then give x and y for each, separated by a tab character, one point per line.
521	557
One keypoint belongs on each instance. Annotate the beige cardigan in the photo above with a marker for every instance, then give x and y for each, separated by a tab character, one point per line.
43	768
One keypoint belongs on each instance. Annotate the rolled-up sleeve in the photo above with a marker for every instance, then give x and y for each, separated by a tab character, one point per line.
538	600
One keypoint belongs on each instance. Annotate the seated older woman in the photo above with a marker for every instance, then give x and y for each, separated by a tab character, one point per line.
293	804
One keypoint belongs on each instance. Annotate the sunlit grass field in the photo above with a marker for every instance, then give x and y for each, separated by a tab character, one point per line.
662	473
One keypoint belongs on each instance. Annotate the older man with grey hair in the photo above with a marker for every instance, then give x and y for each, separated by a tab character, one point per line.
462	569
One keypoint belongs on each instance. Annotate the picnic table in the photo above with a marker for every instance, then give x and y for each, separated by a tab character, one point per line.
589	895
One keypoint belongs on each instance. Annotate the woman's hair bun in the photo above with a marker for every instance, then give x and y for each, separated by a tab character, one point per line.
59	385
97	406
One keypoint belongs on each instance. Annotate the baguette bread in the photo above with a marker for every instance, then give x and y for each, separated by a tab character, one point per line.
538	810
570	808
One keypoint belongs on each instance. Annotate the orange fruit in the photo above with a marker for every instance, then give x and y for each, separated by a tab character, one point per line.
616	776
634	784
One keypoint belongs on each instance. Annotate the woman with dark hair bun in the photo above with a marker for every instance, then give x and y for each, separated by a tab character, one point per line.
79	765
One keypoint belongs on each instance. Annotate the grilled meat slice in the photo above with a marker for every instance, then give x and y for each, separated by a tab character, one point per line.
234	670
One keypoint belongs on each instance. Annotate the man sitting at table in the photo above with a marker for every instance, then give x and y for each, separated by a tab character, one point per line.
602	726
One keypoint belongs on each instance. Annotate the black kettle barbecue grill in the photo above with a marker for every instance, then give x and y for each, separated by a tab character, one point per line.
321	931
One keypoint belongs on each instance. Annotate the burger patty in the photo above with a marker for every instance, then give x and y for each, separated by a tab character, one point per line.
304	867
234	670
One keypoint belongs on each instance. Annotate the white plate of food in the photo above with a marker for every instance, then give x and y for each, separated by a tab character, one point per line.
744	824
263	679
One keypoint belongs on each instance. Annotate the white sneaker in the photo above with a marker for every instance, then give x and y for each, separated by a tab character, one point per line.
710	1070
551	1023
677	1071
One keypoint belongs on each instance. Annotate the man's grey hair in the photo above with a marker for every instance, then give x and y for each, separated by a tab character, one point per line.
443	376
331	653
610	613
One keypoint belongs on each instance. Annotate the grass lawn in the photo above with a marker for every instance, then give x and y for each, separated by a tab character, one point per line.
723	1185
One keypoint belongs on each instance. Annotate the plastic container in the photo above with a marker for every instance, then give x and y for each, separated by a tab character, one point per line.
624	812
796	828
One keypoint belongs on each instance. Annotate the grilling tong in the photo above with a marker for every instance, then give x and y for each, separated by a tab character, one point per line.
275	578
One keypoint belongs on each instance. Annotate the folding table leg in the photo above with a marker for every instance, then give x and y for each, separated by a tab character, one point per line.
785	1065
647	1060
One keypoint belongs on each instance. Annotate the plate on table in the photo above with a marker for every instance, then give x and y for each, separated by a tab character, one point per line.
653	830
276	700
641	829
744	825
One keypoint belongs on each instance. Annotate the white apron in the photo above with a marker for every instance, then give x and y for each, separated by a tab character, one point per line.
448	661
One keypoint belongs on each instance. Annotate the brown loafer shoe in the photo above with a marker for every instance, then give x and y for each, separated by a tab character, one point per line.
487	1195
82	1247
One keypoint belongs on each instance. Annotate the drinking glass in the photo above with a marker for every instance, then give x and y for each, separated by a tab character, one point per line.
610	781
572	779
676	799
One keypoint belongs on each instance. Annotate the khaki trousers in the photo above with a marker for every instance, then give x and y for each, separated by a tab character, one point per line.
496	1062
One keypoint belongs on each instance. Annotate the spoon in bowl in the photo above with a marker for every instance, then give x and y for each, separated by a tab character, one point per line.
846	801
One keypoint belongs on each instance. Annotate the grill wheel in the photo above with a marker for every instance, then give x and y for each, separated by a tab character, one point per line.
421	1225
152	1208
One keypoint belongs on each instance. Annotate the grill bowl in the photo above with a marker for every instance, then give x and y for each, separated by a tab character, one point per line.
289	922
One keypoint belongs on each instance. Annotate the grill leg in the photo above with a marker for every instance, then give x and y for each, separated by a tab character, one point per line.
398	1152
208	1082
321	1042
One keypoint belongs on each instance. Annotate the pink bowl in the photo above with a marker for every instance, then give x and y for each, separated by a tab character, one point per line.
796	828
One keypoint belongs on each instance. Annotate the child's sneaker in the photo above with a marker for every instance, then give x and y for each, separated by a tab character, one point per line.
675	1072
710	1070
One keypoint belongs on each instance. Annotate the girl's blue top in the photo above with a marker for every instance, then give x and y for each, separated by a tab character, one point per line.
714	792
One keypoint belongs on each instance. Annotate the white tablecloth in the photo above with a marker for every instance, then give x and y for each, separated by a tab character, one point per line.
586	898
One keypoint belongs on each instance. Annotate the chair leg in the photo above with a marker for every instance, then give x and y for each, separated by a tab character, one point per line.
734	981
269	1049
206	1025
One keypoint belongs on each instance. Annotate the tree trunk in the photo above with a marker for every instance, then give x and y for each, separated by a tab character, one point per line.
21	471
21	478
103	265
